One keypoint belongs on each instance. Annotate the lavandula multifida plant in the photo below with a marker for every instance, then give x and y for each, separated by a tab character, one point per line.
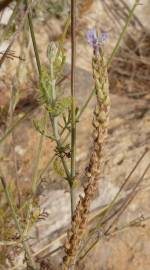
55	107
100	126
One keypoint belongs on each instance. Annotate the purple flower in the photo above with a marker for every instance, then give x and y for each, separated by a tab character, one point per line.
94	40
103	37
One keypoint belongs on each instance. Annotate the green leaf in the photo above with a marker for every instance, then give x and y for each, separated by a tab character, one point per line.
59	107
46	86
56	57
38	126
57	166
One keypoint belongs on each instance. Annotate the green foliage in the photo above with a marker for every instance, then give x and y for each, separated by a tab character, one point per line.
50	75
39	127
58	168
56	57
45	86
59	106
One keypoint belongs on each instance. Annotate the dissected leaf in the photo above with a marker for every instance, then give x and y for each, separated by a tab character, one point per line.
60	106
46	86
57	166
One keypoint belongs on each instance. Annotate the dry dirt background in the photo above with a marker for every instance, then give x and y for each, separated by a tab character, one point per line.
129	135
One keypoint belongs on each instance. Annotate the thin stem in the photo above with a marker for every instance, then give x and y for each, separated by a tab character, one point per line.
85	105
11	109
125	5
33	39
35	175
38	155
115	50
112	203
122	209
105	211
52	158
55	125
14	125
130	198
12	17
73	106
15	36
17	223
66	27
12	106
58	142
137	222
36	165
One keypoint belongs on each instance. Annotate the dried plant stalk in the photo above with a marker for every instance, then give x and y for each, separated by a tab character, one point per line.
100	125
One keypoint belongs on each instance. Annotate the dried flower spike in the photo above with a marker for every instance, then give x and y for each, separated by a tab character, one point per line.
100	126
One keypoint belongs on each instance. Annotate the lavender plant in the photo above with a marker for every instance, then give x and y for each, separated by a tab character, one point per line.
58	110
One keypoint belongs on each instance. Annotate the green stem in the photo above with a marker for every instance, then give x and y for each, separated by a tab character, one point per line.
15	159
35	171
85	105
121	36
55	125
129	200
58	142
38	155
73	106
18	226
33	39
35	175
12	17
112	203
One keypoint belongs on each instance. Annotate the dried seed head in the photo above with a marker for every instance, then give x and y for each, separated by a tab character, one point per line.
100	125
